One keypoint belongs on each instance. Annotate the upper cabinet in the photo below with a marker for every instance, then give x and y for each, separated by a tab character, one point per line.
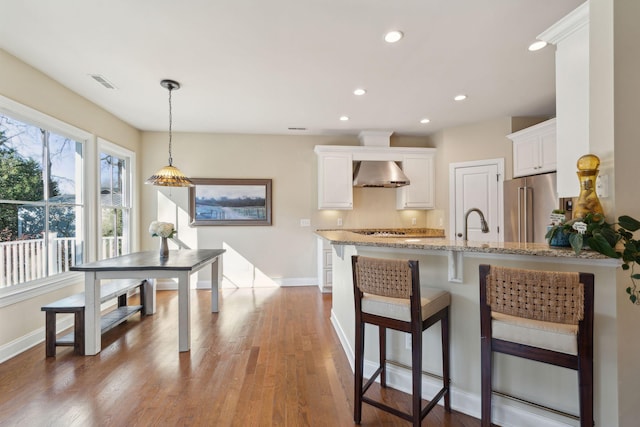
534	149
571	37
335	180
335	174
419	168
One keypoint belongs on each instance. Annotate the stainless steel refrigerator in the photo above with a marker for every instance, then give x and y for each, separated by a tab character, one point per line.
528	201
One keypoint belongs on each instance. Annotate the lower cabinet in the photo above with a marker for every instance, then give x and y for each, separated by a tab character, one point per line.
325	271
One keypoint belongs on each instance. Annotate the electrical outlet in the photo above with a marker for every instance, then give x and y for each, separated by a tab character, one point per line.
602	186
339	222
414	221
305	222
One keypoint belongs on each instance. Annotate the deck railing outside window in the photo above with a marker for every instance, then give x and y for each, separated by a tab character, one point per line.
25	260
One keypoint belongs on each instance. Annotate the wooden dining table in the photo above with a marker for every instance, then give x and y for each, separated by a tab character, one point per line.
180	264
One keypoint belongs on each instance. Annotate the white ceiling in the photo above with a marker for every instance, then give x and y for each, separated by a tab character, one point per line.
262	66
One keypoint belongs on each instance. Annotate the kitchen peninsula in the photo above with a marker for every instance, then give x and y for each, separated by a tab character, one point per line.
453	266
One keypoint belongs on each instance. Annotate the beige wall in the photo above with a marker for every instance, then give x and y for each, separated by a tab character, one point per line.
281	251
25	85
30	87
286	250
478	141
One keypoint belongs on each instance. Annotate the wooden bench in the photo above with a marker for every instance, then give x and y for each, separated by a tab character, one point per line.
75	304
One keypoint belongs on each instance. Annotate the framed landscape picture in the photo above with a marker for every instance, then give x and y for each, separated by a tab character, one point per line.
214	201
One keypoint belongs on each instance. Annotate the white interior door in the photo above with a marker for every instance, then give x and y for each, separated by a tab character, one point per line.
476	185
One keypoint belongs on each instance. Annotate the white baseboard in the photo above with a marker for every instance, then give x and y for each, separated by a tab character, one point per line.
504	413
343	340
165	284
297	281
25	342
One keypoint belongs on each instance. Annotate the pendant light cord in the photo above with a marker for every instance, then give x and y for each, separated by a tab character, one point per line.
170	125
170	176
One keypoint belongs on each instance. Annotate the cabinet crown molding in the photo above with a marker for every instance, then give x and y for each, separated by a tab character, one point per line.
533	129
568	25
373	153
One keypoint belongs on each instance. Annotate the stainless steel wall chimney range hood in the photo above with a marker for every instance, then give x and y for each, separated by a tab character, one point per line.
371	173
377	173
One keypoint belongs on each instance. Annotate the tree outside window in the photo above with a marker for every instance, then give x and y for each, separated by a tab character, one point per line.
40	202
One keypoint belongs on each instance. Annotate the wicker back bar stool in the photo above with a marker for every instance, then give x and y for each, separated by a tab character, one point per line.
545	316
387	294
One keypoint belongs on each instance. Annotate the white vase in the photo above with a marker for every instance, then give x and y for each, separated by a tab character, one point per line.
164	248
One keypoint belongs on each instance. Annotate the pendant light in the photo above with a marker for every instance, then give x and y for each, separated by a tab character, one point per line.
169	176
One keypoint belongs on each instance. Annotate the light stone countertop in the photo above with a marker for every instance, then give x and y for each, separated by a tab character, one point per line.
417	239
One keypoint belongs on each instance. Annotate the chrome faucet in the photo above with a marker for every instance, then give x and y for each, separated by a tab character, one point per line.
484	227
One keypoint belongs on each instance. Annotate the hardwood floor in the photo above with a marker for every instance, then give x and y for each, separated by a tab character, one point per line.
269	358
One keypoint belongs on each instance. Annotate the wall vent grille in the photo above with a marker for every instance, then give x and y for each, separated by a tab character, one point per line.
104	82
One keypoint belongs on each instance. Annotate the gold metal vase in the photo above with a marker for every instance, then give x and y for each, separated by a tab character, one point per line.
588	201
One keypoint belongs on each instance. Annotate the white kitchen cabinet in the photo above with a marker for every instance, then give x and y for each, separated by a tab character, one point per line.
335	180
420	194
534	149
335	174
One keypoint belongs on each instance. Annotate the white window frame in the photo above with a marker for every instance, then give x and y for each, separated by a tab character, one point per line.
27	290
105	146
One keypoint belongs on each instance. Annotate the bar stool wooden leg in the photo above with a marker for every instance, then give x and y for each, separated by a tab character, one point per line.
416	374
585	385
359	371
444	324
485	369
382	336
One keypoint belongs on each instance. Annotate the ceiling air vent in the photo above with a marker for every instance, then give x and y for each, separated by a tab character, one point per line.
104	82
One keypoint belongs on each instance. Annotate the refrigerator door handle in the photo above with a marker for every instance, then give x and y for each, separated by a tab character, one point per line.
521	190
530	211
526	213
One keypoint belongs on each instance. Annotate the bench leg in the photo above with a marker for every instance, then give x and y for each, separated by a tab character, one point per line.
78	333
143	299
122	300
50	333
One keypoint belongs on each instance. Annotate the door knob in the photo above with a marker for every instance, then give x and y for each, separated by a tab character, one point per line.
459	234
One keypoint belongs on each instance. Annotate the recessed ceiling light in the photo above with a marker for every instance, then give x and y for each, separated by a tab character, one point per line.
344	118
393	36
359	92
460	97
537	45
425	120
